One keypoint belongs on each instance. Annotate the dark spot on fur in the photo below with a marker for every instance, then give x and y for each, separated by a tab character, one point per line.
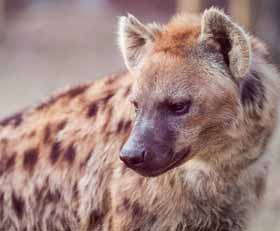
127	91
53	196
172	182
76	90
152	219
18	205
155	200
61	125
95	219
260	187
30	158
45	104
127	126
137	210
7	162
126	203
253	92
120	126
32	134
47	134
97	216
1	198
108	96
92	109
1	206
75	191
107	133
123	126
179	227
15	120
11	161
55	152
65	224
84	163
108	119
111	79
2	167
71	93
4	141
50	225
70	154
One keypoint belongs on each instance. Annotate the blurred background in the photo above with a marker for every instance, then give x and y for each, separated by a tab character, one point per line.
46	45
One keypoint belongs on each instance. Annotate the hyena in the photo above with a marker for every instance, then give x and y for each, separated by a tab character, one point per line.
190	121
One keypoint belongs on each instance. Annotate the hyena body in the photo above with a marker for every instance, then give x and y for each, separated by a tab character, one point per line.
60	167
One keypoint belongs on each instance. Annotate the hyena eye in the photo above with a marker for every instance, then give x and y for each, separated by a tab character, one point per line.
180	108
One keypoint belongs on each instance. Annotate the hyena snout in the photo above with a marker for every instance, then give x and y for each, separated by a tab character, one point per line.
144	157
146	151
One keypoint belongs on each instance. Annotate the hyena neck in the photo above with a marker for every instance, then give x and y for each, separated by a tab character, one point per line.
231	163
207	183
239	154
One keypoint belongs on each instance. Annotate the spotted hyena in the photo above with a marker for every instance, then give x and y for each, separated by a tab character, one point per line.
190	120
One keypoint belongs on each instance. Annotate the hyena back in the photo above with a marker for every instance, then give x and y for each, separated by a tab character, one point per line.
193	145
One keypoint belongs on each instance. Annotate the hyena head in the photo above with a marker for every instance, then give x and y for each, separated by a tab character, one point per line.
186	89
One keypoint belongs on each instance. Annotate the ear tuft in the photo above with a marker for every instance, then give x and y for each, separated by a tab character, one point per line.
234	42
134	39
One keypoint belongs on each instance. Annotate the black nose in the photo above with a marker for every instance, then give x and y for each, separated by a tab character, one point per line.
132	156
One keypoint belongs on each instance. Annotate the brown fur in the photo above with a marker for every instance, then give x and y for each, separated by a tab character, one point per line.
59	161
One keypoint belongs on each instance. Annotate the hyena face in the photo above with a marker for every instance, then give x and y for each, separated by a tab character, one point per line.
185	93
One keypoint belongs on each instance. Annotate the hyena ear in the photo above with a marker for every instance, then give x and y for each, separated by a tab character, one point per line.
135	40
231	39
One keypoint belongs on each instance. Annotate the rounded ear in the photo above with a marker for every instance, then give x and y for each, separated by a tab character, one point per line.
135	40
232	41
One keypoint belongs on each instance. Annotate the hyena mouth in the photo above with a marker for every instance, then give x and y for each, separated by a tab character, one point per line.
179	158
153	171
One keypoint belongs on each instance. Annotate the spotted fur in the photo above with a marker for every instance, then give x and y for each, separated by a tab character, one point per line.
59	164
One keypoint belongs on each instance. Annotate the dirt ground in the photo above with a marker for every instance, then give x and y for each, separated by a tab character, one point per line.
48	47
